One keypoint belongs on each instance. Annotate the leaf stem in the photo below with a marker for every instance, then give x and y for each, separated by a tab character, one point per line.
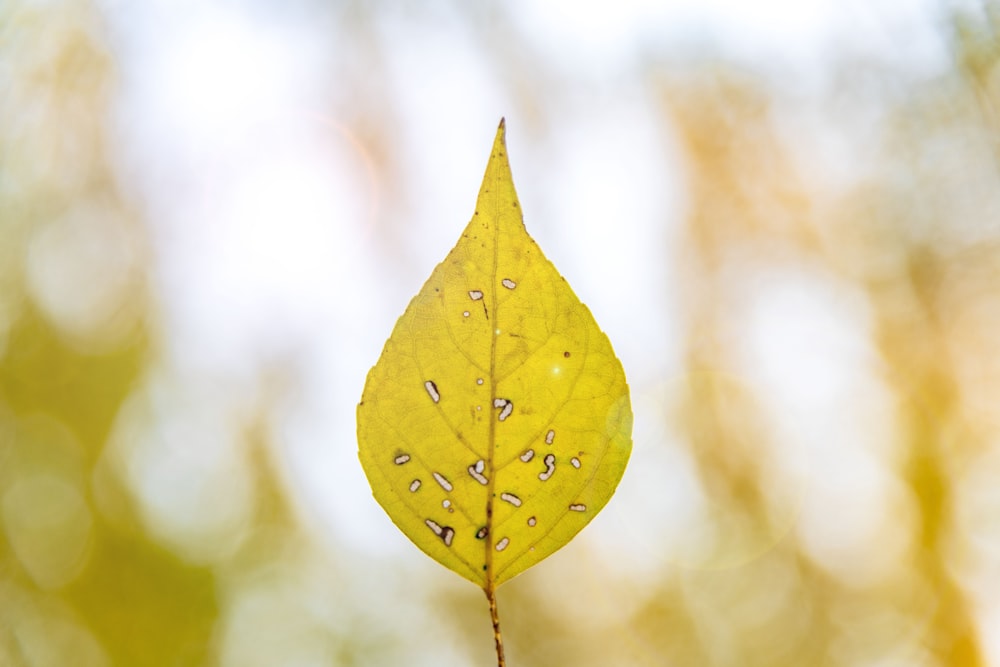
491	596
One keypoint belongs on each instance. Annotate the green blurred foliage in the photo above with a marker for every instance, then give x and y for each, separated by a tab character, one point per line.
74	589
89	577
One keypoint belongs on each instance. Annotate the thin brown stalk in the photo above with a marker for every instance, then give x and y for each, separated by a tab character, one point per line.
495	617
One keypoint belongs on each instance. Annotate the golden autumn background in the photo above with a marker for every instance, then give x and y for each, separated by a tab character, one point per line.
786	218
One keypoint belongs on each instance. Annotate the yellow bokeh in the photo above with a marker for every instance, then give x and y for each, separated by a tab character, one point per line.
787	220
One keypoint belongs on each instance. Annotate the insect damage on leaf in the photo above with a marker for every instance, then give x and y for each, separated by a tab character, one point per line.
496	423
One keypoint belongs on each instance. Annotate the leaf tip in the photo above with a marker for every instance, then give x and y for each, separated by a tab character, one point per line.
502	131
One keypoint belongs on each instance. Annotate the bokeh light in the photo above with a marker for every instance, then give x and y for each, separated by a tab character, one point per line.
786	216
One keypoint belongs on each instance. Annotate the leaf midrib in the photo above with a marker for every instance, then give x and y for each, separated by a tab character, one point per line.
491	440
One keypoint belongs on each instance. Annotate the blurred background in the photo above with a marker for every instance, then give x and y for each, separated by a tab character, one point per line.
786	216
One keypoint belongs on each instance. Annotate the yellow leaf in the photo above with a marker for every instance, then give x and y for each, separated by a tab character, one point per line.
497	422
